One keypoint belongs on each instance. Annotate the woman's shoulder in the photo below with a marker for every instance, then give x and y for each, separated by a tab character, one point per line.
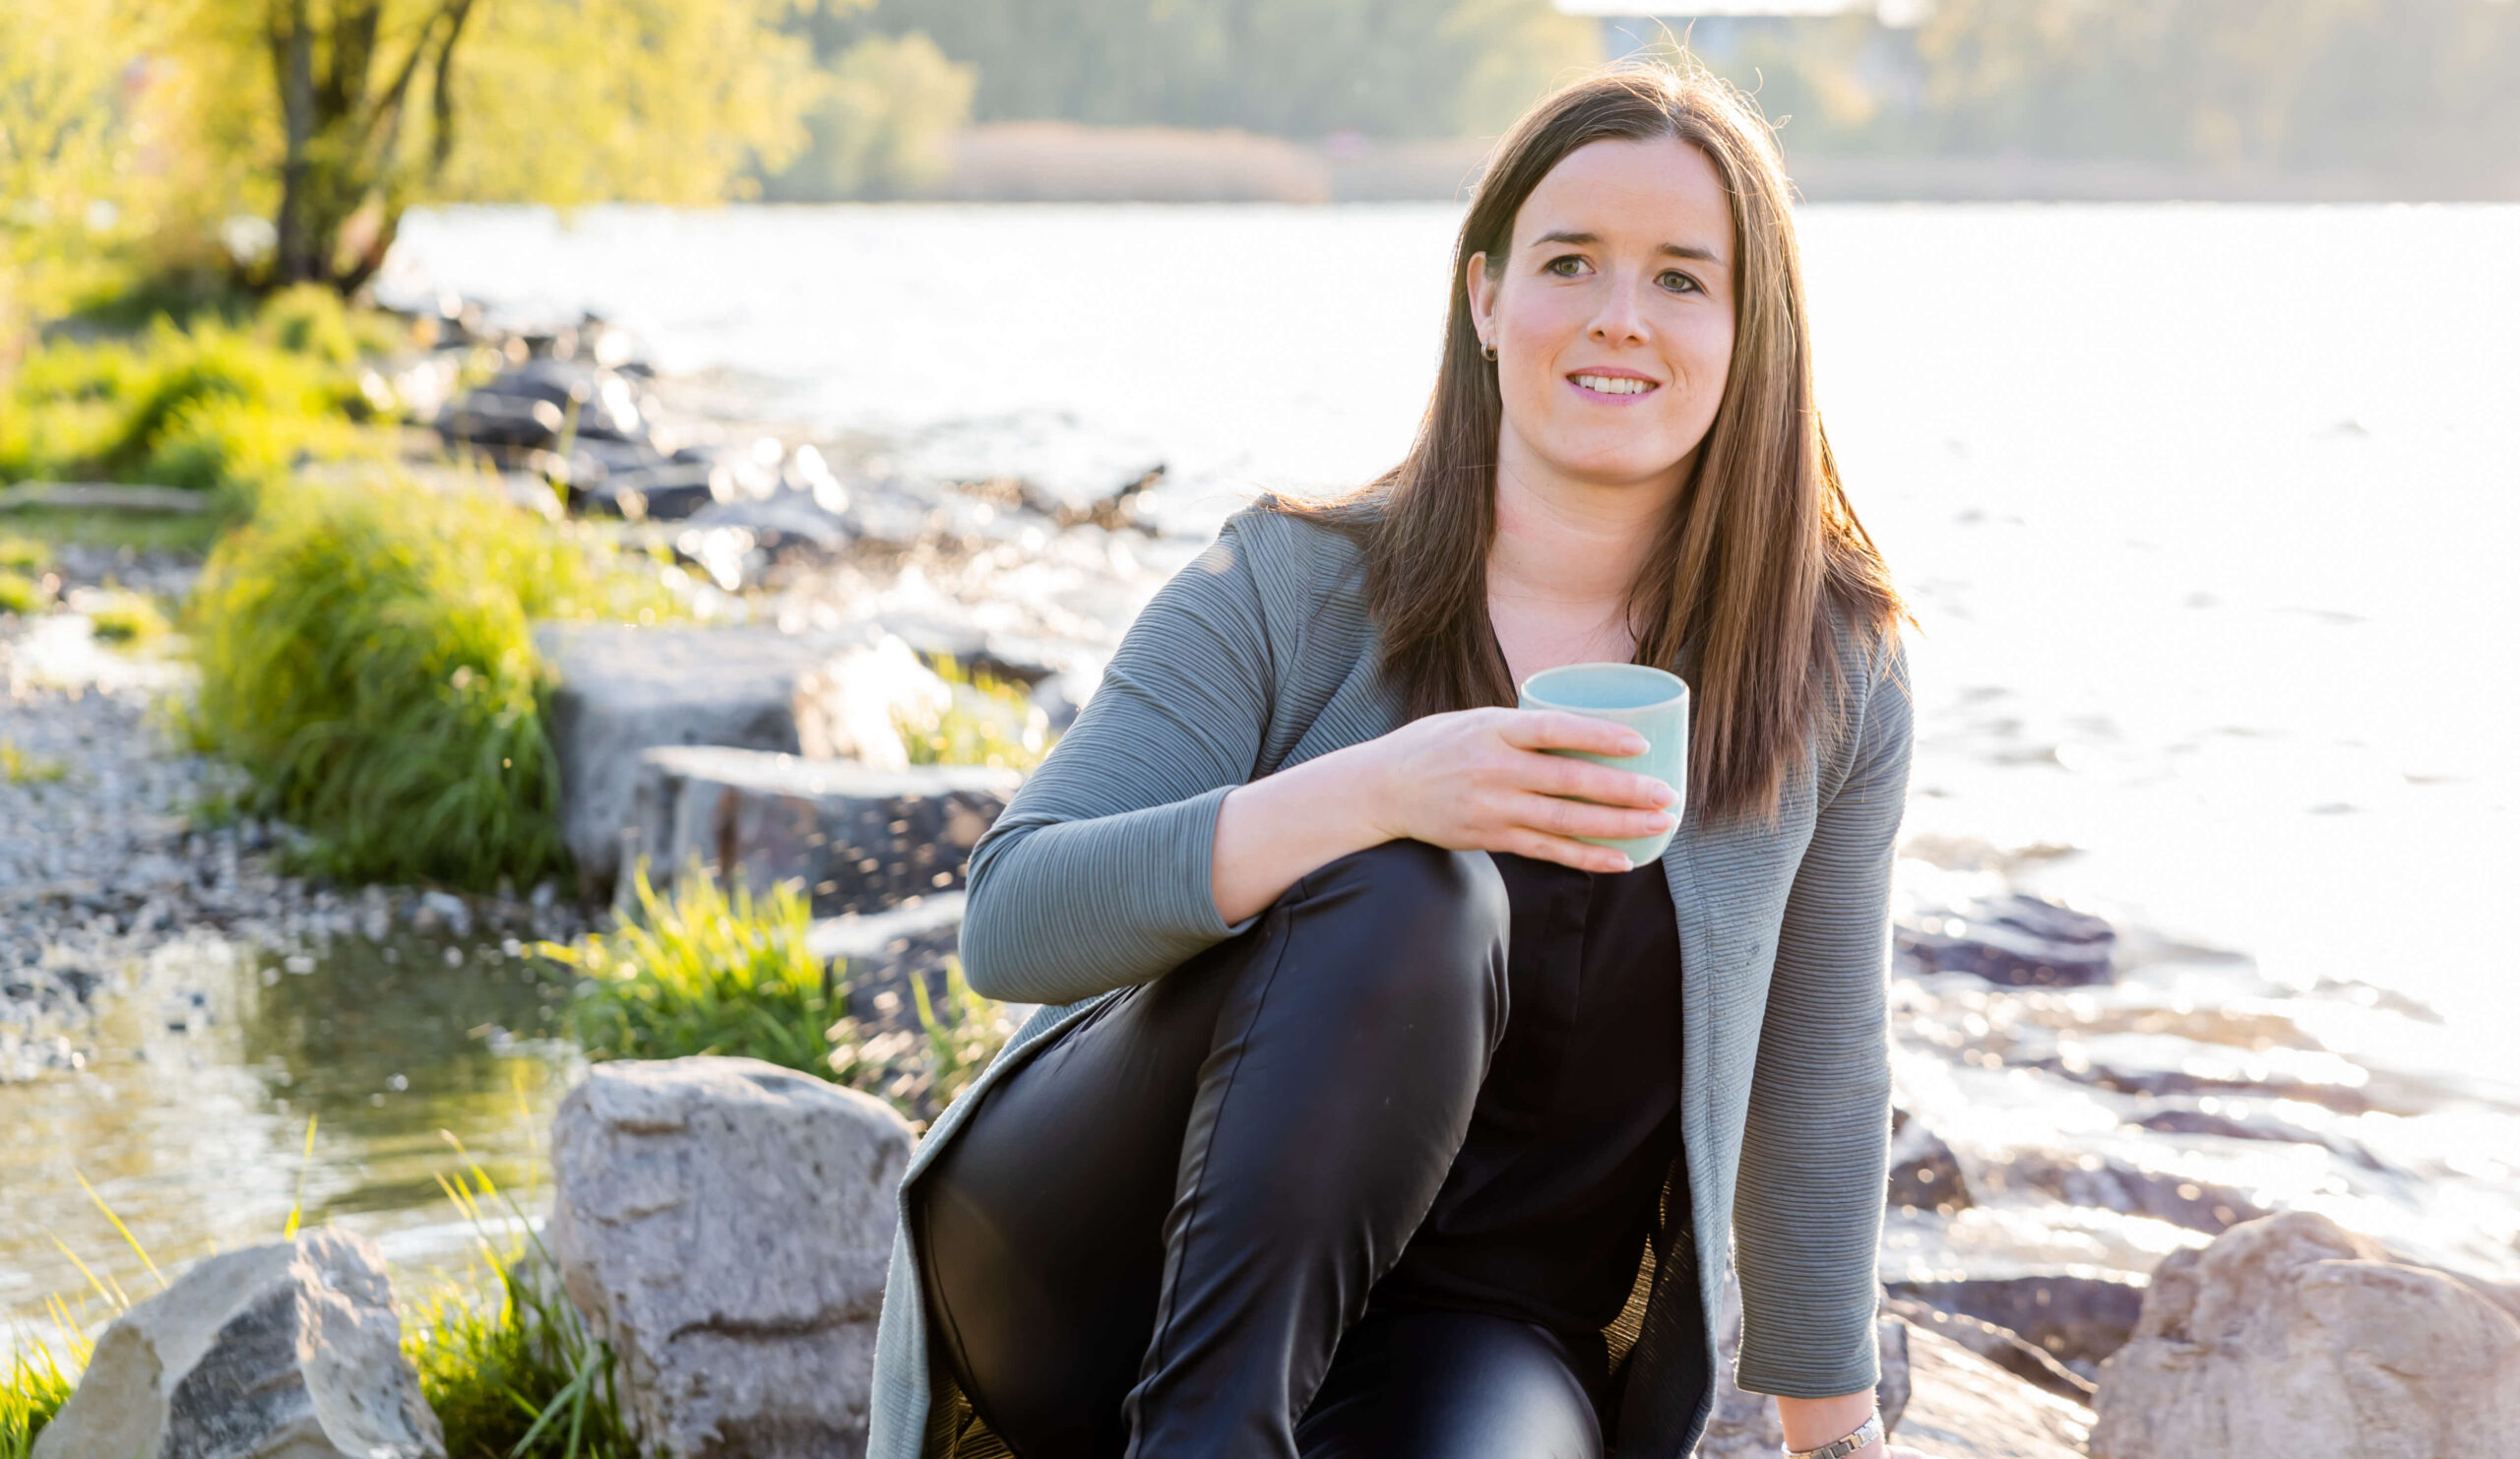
1297	560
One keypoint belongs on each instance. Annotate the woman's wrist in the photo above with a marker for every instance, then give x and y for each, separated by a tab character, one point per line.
1810	1423
1274	831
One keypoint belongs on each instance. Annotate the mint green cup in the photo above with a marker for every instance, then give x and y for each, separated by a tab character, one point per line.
1649	700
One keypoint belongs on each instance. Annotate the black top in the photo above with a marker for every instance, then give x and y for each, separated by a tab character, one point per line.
1544	1214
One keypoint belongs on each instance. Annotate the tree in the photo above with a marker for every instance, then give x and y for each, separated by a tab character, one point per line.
371	106
63	147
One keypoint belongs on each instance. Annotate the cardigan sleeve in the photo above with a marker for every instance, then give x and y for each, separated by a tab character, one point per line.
1098	875
1813	1175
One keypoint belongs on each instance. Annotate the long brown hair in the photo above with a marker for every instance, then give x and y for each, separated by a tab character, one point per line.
1761	560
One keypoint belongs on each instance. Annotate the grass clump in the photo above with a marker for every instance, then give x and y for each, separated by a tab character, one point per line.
23	553
125	617
365	654
33	1385
981	720
213	403
504	1360
19	768
20	594
703	971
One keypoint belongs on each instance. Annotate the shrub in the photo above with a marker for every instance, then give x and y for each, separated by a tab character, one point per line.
365	656
201	405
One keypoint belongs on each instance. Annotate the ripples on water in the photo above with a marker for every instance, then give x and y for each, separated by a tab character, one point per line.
2202	509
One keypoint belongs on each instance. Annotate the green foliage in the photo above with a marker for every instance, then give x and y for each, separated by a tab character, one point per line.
34	1384
986	721
126	617
24	552
19	768
702	972
1393	68
20	594
366	655
881	126
504	1360
213	405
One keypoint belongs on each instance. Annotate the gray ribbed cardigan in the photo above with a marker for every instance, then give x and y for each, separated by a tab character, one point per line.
1260	655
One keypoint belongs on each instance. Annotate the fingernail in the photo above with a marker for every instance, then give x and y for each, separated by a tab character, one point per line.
1633	744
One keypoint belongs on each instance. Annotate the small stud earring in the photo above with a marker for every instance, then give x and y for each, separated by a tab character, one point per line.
1486	350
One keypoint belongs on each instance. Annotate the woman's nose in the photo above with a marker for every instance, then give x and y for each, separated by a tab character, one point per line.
1619	320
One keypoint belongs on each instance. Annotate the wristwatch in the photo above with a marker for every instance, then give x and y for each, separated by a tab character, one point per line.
1841	1447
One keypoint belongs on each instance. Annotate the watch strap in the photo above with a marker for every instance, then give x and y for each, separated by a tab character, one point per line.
1840	1449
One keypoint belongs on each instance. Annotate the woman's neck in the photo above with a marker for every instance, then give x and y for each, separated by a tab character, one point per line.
1560	568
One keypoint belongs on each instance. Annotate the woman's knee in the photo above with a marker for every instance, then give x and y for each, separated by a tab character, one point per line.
1414	921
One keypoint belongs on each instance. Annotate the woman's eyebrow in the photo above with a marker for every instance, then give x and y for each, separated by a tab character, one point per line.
1672	250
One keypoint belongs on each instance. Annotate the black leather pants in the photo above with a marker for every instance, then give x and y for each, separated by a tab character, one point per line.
1156	1239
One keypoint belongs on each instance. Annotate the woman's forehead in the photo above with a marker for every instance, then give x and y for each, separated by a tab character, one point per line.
1658	194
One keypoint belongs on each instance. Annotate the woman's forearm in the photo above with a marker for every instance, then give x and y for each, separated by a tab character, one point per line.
1280	828
1810	1422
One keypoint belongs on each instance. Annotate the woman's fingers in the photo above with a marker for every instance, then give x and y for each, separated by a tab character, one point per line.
1582	780
1555	816
1583	856
1557	730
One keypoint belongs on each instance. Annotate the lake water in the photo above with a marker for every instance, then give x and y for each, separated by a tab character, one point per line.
2202	511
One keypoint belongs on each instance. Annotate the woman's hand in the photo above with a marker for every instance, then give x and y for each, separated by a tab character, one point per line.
1476	780
1471	780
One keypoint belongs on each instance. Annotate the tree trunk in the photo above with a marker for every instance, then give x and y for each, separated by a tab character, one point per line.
342	133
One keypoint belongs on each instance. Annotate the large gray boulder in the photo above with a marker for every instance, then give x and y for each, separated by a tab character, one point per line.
856	838
620	689
727	1224
2291	1335
290	1351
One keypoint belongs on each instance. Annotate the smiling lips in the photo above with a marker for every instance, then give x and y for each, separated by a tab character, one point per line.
1594	383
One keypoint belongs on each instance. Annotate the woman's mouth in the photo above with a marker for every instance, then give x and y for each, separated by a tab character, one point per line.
1610	385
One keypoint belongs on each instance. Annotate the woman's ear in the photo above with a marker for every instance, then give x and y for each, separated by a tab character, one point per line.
1480	287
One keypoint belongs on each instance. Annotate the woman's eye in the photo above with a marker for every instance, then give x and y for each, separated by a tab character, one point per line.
1566	266
1677	282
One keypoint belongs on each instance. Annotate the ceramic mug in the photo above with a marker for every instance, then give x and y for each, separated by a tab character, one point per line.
1653	703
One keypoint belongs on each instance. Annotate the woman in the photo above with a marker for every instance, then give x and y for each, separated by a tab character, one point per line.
1372	1111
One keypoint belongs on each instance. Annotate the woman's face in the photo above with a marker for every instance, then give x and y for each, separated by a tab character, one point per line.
1612	314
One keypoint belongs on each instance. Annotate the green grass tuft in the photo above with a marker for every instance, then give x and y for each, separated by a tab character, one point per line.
20	594
703	971
126	617
213	403
19	768
366	655
23	553
33	1385
504	1359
